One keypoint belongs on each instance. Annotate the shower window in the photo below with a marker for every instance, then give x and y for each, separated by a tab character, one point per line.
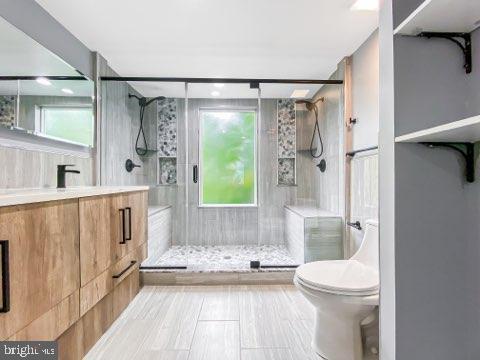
228	158
67	123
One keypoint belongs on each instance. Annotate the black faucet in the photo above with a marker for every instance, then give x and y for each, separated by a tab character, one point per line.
61	171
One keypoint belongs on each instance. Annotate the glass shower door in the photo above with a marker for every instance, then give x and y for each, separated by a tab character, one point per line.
222	122
164	164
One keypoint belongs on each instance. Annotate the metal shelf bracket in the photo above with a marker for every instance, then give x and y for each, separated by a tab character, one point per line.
457	38
466	149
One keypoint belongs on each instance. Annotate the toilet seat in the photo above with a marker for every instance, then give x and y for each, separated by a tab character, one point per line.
342	277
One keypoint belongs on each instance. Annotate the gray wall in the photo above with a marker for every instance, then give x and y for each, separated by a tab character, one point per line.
402	9
37	23
365	93
428	214
429	92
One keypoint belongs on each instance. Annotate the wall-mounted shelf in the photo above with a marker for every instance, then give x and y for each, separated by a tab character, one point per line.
459	16
465	130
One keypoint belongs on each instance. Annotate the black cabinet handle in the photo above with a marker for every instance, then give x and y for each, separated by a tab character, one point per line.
5	277
195	173
129	223
355	225
124	270
124	239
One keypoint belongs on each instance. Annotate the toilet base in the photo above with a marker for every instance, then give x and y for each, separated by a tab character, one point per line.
337	337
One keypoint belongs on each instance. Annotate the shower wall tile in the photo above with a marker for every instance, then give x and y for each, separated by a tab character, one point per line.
7	110
287	133
167	127
167	171
286	171
286	128
328	189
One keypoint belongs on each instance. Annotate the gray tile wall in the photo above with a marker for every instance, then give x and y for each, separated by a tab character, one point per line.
32	169
231	226
363	193
329	185
7	110
120	121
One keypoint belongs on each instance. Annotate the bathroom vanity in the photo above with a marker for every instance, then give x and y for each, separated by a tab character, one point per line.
70	261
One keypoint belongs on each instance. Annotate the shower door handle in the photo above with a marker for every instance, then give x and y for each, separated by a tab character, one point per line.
195	174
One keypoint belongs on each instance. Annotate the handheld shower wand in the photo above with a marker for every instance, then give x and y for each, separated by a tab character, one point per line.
312	106
143	103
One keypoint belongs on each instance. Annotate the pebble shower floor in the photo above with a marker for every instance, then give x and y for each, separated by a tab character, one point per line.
221	258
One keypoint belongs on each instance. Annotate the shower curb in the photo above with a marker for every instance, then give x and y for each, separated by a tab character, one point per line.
216	278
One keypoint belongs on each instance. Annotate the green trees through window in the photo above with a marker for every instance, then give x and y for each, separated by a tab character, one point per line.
227	158
73	124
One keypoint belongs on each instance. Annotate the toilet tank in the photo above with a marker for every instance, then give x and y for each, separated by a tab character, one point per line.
312	234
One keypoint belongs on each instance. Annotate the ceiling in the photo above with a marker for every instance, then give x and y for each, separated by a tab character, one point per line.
303	39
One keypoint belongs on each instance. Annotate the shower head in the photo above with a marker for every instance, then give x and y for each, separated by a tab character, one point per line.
143	102
311	105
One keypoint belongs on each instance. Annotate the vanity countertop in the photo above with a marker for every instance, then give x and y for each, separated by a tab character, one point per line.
9	197
310	211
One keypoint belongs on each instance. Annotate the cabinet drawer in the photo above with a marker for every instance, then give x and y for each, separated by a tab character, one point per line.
43	241
95	290
74	343
53	323
110	228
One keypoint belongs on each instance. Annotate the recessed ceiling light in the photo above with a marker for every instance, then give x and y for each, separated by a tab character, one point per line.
67	91
215	93
365	5
299	94
43	81
219	86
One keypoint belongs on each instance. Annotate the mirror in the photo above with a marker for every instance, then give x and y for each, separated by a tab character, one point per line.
34	100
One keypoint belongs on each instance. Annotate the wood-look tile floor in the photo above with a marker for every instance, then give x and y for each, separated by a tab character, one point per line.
211	322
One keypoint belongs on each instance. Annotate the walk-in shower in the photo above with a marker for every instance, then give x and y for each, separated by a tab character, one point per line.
226	156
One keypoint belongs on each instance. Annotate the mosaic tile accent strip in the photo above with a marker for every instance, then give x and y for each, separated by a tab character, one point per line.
286	128
287	133
286	172
221	258
167	171
7	110
167	127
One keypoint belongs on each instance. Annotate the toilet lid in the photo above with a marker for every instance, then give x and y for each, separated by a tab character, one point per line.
340	276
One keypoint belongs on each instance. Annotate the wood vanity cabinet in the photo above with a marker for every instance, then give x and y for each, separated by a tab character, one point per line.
43	266
73	266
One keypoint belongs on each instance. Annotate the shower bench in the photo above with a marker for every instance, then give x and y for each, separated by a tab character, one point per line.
313	234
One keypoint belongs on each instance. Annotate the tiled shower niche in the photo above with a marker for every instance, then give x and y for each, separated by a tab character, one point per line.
167	141
7	110
286	160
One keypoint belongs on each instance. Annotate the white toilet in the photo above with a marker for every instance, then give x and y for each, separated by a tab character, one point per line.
344	292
